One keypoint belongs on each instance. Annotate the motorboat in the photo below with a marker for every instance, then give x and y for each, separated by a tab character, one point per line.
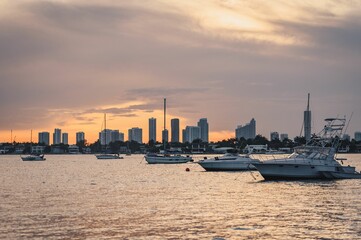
108	156
33	157
153	158
229	162
315	160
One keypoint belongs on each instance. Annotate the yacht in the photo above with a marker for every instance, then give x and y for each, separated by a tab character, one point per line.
105	156
316	160
229	162
33	157
152	158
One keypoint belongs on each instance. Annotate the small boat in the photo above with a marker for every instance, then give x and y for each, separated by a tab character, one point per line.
33	157
316	160
152	158
108	156
229	162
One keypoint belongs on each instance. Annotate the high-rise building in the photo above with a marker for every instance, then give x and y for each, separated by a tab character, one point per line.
174	123
114	136
307	120
80	136
346	137
153	129
283	136
57	136
135	134
192	133
65	138
164	135
121	136
105	136
357	136
203	125
44	138
247	131
275	136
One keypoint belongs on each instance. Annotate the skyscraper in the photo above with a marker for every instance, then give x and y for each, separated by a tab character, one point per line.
153	129
283	136
191	133
65	139
174	130
204	129
357	136
165	135
44	138
307	120
80	136
274	136
105	136
57	136
247	131
135	134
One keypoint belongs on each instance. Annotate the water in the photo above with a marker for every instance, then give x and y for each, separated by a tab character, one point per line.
77	197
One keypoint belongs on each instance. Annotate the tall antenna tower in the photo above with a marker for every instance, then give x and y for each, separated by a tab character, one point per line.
307	120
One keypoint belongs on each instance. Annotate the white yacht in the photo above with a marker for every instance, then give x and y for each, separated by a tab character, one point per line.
315	160
105	156
166	158
33	157
229	162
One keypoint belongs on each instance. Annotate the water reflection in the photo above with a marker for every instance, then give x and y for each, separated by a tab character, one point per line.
81	197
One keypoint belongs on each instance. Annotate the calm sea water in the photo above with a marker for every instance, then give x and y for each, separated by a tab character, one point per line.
77	197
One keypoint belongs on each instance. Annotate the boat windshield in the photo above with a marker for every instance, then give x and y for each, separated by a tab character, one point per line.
316	153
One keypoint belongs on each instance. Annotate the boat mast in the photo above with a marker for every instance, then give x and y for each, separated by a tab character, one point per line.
105	131
165	105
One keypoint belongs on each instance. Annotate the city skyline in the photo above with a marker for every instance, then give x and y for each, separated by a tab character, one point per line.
66	63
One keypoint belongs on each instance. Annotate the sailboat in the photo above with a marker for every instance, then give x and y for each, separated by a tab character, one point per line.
105	156
153	158
33	157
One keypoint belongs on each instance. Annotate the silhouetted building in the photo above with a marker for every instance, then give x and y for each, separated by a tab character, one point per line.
307	120
152	129
284	136
247	131
204	128
135	134
44	138
165	135
57	136
105	136
192	133
80	136
65	138
357	136
174	130
274	136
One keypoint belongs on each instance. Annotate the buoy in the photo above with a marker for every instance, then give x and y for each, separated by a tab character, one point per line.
187	170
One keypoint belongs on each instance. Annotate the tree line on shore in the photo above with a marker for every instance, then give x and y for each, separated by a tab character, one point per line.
152	146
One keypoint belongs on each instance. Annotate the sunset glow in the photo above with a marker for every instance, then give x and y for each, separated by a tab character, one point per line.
66	63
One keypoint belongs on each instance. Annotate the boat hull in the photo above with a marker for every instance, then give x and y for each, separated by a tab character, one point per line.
219	165
273	171
33	158
108	156
167	160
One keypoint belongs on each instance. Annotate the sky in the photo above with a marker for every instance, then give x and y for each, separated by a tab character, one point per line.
63	64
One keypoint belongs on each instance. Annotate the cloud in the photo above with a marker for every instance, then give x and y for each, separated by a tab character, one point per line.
74	59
